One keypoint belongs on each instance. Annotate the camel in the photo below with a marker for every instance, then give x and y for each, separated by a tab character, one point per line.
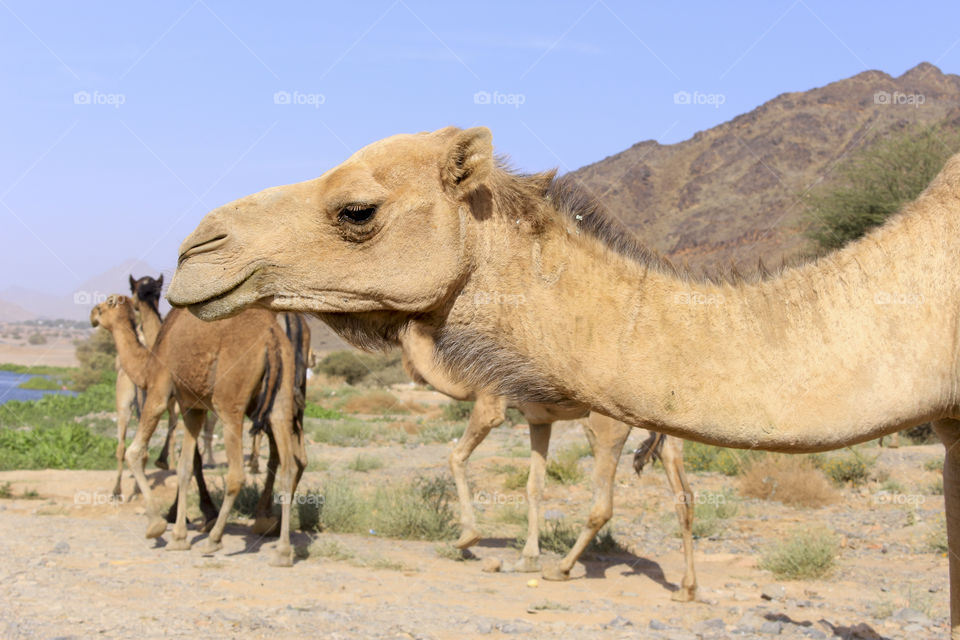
854	345
606	437
241	366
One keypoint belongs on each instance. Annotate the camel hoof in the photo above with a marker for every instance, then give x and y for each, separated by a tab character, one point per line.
684	595
555	574
467	539
282	559
266	526
528	564
211	546
156	527
162	464
178	545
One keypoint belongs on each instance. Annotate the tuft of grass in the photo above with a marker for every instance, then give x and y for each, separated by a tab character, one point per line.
318	464
849	467
934	488
936	540
442	432
511	514
710	510
450	552
364	462
934	465
330	549
549	605
313	410
343	511
704	457
809	552
353	433
458	410
558	537
565	466
6	491
419	510
790	479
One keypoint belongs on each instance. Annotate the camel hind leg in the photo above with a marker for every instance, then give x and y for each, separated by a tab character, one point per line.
672	457
539	446
208	427
607	437
488	412
948	431
136	455
253	462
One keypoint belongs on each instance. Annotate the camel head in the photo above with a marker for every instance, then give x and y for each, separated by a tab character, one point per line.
385	231
147	289
111	311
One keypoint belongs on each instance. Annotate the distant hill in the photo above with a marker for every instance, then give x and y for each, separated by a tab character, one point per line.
732	194
10	312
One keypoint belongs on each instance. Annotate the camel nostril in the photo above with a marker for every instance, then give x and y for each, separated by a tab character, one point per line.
212	244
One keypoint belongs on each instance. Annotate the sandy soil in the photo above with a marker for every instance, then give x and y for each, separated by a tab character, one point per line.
77	566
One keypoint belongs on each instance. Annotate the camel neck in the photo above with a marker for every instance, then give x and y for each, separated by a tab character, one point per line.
150	322
133	356
835	352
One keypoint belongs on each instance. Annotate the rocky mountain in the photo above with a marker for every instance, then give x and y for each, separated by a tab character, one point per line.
734	193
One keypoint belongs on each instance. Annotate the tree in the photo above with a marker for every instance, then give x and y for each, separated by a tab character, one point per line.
875	182
97	356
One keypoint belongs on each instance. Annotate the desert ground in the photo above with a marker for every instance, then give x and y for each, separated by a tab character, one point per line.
76	563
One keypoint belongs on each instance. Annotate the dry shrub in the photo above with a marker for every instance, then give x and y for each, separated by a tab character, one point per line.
792	480
379	401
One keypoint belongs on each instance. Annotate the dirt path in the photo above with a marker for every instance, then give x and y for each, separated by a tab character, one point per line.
76	568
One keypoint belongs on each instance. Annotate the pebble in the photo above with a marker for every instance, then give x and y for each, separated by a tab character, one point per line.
771	628
618	623
61	547
773	592
491	565
656	625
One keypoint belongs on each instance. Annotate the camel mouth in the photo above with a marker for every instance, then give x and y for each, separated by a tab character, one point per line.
212	244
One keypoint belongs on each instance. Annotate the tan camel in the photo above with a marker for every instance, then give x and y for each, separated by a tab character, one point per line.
860	343
606	436
243	365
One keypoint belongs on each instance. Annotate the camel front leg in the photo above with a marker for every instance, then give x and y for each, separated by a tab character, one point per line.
949	432
162	461
488	412
136	457
539	446
193	421
607	437
233	443
672	457
126	395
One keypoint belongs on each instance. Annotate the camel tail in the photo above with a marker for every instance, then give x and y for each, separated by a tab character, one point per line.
648	451
269	388
298	332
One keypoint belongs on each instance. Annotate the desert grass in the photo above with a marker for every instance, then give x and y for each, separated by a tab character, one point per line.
808	553
792	480
565	467
364	462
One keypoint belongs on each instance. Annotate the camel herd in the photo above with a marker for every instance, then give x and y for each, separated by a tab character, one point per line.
515	290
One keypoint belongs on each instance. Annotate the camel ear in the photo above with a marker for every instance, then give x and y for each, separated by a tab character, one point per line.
160	282
132	283
468	161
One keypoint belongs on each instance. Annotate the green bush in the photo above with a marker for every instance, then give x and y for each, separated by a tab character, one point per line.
807	553
37	339
847	467
57	410
458	410
97	356
875	182
710	510
68	446
704	457
40	383
565	466
420	510
312	410
343	510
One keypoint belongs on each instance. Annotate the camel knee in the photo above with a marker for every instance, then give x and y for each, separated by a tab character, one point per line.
599	516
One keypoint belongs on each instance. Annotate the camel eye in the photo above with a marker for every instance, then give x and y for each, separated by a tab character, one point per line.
357	213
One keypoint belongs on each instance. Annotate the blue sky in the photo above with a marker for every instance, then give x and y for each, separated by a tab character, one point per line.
123	123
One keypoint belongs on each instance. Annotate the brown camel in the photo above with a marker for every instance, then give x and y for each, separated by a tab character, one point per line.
606	436
860	343
241	366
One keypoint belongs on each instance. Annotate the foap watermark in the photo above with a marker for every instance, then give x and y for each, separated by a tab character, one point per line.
697	98
99	98
499	298
899	98
499	98
899	298
715	499
97	498
697	298
901	499
499	499
85	298
299	98
314	499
